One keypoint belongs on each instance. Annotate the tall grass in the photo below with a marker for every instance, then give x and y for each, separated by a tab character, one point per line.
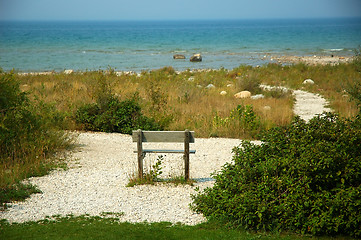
177	101
181	101
30	134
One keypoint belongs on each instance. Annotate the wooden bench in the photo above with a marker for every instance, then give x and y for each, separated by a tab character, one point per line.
186	136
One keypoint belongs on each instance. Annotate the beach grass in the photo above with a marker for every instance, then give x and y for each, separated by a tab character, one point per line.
186	100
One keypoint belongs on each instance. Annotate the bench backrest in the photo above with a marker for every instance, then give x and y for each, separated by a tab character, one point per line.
163	136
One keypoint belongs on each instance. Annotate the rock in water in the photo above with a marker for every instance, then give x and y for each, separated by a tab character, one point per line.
243	94
179	56
196	58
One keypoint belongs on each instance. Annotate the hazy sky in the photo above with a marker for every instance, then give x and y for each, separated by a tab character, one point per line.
175	9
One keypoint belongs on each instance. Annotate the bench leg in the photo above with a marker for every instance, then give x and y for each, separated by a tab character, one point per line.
140	153
186	155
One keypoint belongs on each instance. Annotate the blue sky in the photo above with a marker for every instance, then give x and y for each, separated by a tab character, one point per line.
175	9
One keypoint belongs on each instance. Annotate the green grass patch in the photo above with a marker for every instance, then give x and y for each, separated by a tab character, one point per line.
85	227
17	192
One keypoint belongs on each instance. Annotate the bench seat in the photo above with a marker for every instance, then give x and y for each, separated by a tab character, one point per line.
165	151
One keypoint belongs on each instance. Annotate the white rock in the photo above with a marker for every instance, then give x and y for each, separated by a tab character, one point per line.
223	93
257	96
68	71
210	86
267	108
229	85
308	81
191	79
243	94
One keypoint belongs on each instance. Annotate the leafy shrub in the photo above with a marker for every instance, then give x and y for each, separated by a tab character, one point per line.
355	93
26	126
29	135
249	83
114	116
246	117
305	177
278	93
242	119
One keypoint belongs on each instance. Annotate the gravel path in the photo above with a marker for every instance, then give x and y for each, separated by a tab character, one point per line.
96	182
101	166
308	105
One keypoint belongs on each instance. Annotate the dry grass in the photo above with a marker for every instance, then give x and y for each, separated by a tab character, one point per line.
184	99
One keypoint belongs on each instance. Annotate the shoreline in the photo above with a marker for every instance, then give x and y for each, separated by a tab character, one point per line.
283	60
313	60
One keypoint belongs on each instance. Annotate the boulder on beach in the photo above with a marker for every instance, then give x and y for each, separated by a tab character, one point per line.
196	58
243	94
179	56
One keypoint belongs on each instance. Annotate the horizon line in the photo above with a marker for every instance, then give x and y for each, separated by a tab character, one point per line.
175	20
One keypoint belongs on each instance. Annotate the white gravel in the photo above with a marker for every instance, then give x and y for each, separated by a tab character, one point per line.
307	104
100	170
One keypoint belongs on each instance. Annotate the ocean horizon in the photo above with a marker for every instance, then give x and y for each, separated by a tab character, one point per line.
145	45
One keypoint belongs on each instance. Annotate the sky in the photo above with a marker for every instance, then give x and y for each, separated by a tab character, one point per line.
50	10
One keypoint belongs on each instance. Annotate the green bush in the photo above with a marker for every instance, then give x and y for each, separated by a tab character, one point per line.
354	90
29	136
242	119
305	177
114	116
26	127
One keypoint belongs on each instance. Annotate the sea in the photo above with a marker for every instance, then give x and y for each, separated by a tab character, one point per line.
146	45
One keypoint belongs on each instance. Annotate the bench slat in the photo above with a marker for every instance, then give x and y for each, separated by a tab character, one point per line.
163	136
165	151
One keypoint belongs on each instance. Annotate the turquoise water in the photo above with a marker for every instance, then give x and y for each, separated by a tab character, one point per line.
140	45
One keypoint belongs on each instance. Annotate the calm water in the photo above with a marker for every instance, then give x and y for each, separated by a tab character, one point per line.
136	46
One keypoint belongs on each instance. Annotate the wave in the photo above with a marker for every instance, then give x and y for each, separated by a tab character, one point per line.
334	50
